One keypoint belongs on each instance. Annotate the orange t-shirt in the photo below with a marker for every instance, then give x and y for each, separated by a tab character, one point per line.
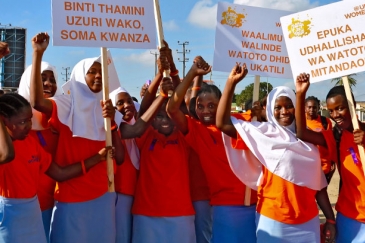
316	125
282	200
46	188
72	150
199	189
163	182
351	200
225	187
19	178
126	175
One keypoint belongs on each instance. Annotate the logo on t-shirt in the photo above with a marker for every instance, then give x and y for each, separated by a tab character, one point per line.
34	159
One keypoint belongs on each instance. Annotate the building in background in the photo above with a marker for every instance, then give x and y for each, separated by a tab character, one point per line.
12	66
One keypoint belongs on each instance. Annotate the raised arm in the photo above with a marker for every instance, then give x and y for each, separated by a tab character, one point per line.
4	49
303	133
142	123
174	73
199	67
37	100
7	153
223	119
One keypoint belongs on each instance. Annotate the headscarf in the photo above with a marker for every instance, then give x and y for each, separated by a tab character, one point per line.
129	143
24	90
277	148
79	108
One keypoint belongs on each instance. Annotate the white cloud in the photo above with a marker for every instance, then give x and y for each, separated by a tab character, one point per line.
204	14
170	25
290	5
144	58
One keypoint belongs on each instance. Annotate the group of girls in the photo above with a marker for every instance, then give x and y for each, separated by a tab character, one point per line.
183	165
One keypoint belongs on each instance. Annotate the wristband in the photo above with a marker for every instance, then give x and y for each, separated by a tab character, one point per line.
195	88
330	221
175	73
113	126
83	167
163	94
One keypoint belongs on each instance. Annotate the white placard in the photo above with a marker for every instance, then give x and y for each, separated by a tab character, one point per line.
104	23
253	36
328	41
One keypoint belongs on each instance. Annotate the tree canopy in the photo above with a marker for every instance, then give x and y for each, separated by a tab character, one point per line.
247	93
352	80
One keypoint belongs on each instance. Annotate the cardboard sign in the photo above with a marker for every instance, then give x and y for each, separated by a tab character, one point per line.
104	23
328	41
253	36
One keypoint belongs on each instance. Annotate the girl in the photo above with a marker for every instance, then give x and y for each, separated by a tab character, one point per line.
350	219
232	222
126	174
45	135
19	210
290	173
85	211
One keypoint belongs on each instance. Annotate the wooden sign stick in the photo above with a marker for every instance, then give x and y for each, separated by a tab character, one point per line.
355	122
107	126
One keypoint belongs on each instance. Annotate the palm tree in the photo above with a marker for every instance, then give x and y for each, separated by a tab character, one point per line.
352	81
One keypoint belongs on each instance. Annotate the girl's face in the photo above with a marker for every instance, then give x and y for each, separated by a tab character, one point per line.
311	109
339	111
19	126
284	111
206	108
93	78
49	84
125	106
162	122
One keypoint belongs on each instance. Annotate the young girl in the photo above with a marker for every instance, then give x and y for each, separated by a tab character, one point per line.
290	173
126	174
45	135
350	206
85	211
19	212
232	221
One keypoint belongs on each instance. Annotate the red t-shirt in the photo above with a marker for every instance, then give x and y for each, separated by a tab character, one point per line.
19	178
126	175
72	150
199	189
163	182
225	187
351	200
46	188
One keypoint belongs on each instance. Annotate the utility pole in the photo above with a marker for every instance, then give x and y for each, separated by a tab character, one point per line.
156	54
184	52
66	74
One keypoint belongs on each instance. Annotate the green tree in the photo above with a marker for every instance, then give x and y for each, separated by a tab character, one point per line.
247	93
352	81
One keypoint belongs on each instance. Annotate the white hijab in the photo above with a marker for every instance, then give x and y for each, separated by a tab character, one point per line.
79	108
24	90
129	143
275	147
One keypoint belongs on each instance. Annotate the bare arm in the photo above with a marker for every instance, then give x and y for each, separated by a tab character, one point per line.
4	49
325	205
142	123
303	133
37	100
60	174
199	67
223	119
7	153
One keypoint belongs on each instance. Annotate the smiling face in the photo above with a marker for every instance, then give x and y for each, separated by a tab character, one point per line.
49	84
339	111
125	106
19	125
93	78
284	111
206	108
162	122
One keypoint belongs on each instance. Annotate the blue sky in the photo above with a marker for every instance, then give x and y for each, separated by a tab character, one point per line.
188	20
